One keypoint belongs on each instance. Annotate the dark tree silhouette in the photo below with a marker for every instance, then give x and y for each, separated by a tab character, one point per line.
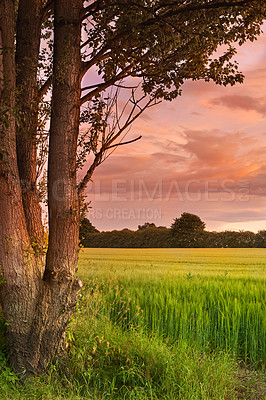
187	223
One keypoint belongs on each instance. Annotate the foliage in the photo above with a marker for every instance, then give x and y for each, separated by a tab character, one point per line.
260	240
147	225
188	231
187	223
161	237
165	44
149	237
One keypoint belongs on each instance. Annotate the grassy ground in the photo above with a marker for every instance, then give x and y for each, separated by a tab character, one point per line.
160	324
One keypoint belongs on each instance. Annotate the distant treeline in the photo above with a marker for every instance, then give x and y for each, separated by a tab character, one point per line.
150	236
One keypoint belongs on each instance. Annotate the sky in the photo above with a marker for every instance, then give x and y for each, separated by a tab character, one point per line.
203	153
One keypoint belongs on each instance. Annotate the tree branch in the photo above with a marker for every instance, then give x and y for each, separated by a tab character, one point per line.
122	143
90	87
105	85
198	7
101	55
47	9
125	87
191	7
116	85
97	161
107	143
43	89
129	121
88	11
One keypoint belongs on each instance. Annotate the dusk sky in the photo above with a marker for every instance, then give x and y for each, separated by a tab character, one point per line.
203	153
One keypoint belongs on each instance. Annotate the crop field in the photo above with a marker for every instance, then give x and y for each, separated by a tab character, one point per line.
213	299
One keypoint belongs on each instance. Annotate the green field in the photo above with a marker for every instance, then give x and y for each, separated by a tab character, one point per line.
210	298
159	324
126	263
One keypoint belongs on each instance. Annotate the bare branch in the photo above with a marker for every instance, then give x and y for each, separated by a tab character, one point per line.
125	87
129	121
117	131
122	143
90	87
116	85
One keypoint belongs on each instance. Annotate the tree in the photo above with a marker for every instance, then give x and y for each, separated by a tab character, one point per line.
37	297
260	239
187	223
54	43
187	231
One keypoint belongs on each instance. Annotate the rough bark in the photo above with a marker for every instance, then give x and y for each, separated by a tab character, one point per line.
27	53
38	309
62	186
19	273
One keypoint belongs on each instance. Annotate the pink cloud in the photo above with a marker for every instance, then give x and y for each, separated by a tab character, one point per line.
247	103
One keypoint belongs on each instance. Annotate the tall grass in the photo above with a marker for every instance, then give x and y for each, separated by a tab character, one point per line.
225	311
210	313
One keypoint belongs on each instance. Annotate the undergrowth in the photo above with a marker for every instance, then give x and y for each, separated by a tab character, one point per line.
111	357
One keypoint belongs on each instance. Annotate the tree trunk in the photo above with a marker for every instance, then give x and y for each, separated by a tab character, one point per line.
38	308
19	275
63	204
27	55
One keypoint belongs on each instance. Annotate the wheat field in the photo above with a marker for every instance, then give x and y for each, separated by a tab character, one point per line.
213	299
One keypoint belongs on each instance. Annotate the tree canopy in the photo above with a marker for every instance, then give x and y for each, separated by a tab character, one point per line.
187	224
166	43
